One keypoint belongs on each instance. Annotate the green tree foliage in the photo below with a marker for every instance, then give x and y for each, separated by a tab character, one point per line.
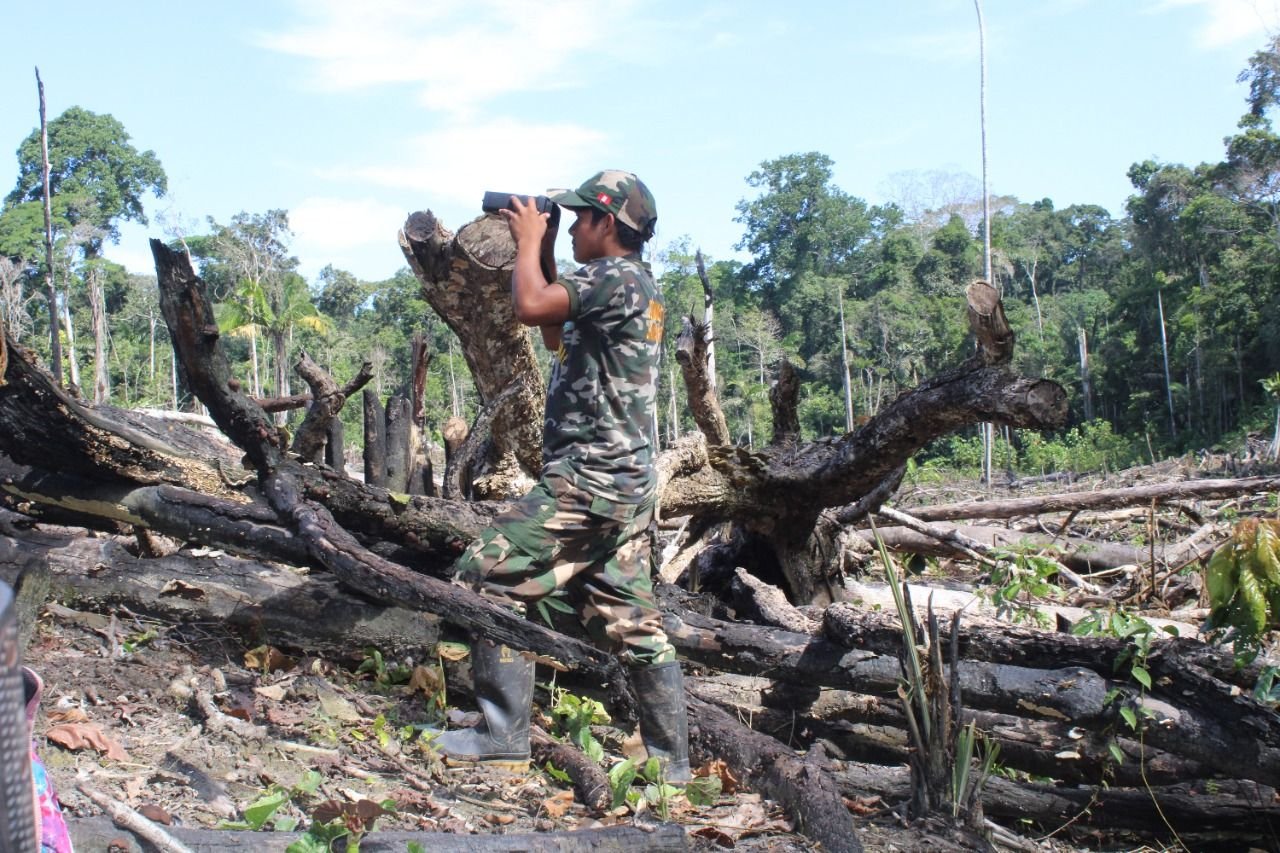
91	159
1190	267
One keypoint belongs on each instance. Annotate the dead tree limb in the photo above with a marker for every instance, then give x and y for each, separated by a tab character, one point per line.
189	316
784	398
1077	554
1212	807
466	279
802	786
1160	493
693	354
327	400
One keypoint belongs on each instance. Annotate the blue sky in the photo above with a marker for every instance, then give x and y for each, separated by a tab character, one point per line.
351	115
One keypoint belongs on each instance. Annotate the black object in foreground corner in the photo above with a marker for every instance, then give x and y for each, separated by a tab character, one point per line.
18	829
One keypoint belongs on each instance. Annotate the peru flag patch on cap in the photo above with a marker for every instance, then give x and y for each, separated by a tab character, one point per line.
604	198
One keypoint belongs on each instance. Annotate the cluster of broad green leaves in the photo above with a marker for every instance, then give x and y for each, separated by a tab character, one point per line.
1243	580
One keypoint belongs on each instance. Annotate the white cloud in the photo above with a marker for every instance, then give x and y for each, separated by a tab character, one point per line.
325	224
457	163
355	234
1229	21
459	53
134	255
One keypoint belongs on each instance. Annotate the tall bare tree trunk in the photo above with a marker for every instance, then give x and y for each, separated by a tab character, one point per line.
151	353
988	432
673	422
844	364
97	303
281	373
71	341
708	315
50	291
1168	383
1085	379
253	352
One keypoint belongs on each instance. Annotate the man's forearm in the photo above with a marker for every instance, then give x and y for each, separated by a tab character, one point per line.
551	338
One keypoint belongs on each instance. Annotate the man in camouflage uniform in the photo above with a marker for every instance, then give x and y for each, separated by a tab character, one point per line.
584	526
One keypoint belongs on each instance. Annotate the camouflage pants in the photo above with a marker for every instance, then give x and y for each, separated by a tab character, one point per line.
558	537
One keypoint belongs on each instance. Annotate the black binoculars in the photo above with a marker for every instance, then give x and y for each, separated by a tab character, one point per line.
493	202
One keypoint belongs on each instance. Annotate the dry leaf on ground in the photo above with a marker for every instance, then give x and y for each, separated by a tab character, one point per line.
76	736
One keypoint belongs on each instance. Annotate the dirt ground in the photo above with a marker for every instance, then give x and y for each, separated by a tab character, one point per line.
126	713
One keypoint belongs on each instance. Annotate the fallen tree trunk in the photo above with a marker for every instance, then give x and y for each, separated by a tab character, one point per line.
1242	810
296	609
1159	493
874	729
802	786
102	834
1070	693
1081	555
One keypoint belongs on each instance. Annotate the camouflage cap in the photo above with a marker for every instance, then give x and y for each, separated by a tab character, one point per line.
620	193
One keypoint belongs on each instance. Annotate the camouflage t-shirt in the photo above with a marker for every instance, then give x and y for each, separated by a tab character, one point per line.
604	381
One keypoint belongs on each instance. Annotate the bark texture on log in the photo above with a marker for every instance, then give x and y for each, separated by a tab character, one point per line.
784	399
293	608
874	729
1208	807
102	834
1081	555
37	416
283	482
327	399
691	353
467	280
802	786
399	442
1160	493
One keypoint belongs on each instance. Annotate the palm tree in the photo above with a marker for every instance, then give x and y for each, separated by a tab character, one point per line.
244	315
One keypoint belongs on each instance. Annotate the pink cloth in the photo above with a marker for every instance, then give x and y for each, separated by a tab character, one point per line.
54	837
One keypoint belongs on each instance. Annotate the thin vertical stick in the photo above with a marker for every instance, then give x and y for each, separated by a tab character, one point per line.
51	293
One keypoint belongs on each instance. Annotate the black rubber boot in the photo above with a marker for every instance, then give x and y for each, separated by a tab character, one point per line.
504	691
664	723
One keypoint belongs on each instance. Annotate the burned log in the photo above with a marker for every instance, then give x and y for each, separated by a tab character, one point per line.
801	785
693	354
864	728
327	400
1160	493
466	280
375	441
296	609
283	483
1214	809
102	834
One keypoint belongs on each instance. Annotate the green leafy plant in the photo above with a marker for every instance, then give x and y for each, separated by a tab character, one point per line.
657	792
1139	634
966	784
575	715
1018	580
384	673
703	790
263	810
1243	579
137	641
